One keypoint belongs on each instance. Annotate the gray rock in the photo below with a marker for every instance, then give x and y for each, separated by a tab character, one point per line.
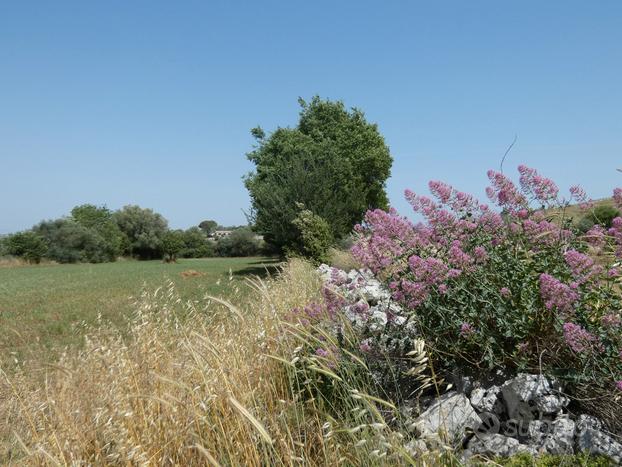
527	396
485	400
377	321
587	421
450	415
551	403
598	443
554	437
495	445
416	447
464	385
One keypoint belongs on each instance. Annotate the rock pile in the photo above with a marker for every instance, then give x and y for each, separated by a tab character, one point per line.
380	321
528	413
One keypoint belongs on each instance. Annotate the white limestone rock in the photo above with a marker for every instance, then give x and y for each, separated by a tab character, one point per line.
449	415
553	437
485	400
587	421
526	396
494	445
597	442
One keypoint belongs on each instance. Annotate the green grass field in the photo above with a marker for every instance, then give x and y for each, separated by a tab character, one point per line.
42	307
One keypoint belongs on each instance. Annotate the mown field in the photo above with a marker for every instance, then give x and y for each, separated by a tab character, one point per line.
44	308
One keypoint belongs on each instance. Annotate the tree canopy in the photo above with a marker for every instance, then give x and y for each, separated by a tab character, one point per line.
172	244
28	245
144	230
334	163
208	226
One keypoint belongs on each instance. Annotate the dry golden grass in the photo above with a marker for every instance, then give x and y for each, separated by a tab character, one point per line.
13	262
179	393
342	259
214	389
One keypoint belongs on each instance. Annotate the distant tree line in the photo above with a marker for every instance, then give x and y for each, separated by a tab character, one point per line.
95	234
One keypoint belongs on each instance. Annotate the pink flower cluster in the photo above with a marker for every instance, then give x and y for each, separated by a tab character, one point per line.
465	256
578	195
504	193
390	242
581	266
596	236
333	300
390	237
580	340
615	233
456	200
557	295
544	233
466	330
540	188
426	273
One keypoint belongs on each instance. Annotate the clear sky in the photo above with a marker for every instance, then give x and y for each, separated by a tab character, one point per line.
150	102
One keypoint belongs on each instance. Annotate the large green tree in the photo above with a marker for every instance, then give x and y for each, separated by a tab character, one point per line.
172	244
99	219
196	244
208	226
144	230
333	163
28	245
70	242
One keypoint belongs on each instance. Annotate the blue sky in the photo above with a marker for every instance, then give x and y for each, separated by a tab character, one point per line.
151	102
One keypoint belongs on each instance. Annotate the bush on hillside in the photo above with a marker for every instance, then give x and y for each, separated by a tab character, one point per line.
602	215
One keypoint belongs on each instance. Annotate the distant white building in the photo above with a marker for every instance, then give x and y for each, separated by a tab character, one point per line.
221	233
218	234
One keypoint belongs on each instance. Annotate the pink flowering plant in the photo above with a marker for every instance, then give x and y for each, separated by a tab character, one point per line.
509	285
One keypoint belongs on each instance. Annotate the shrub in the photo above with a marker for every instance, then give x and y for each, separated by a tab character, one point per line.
143	229
70	242
241	242
172	244
100	221
511	289
314	236
27	245
196	244
602	215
